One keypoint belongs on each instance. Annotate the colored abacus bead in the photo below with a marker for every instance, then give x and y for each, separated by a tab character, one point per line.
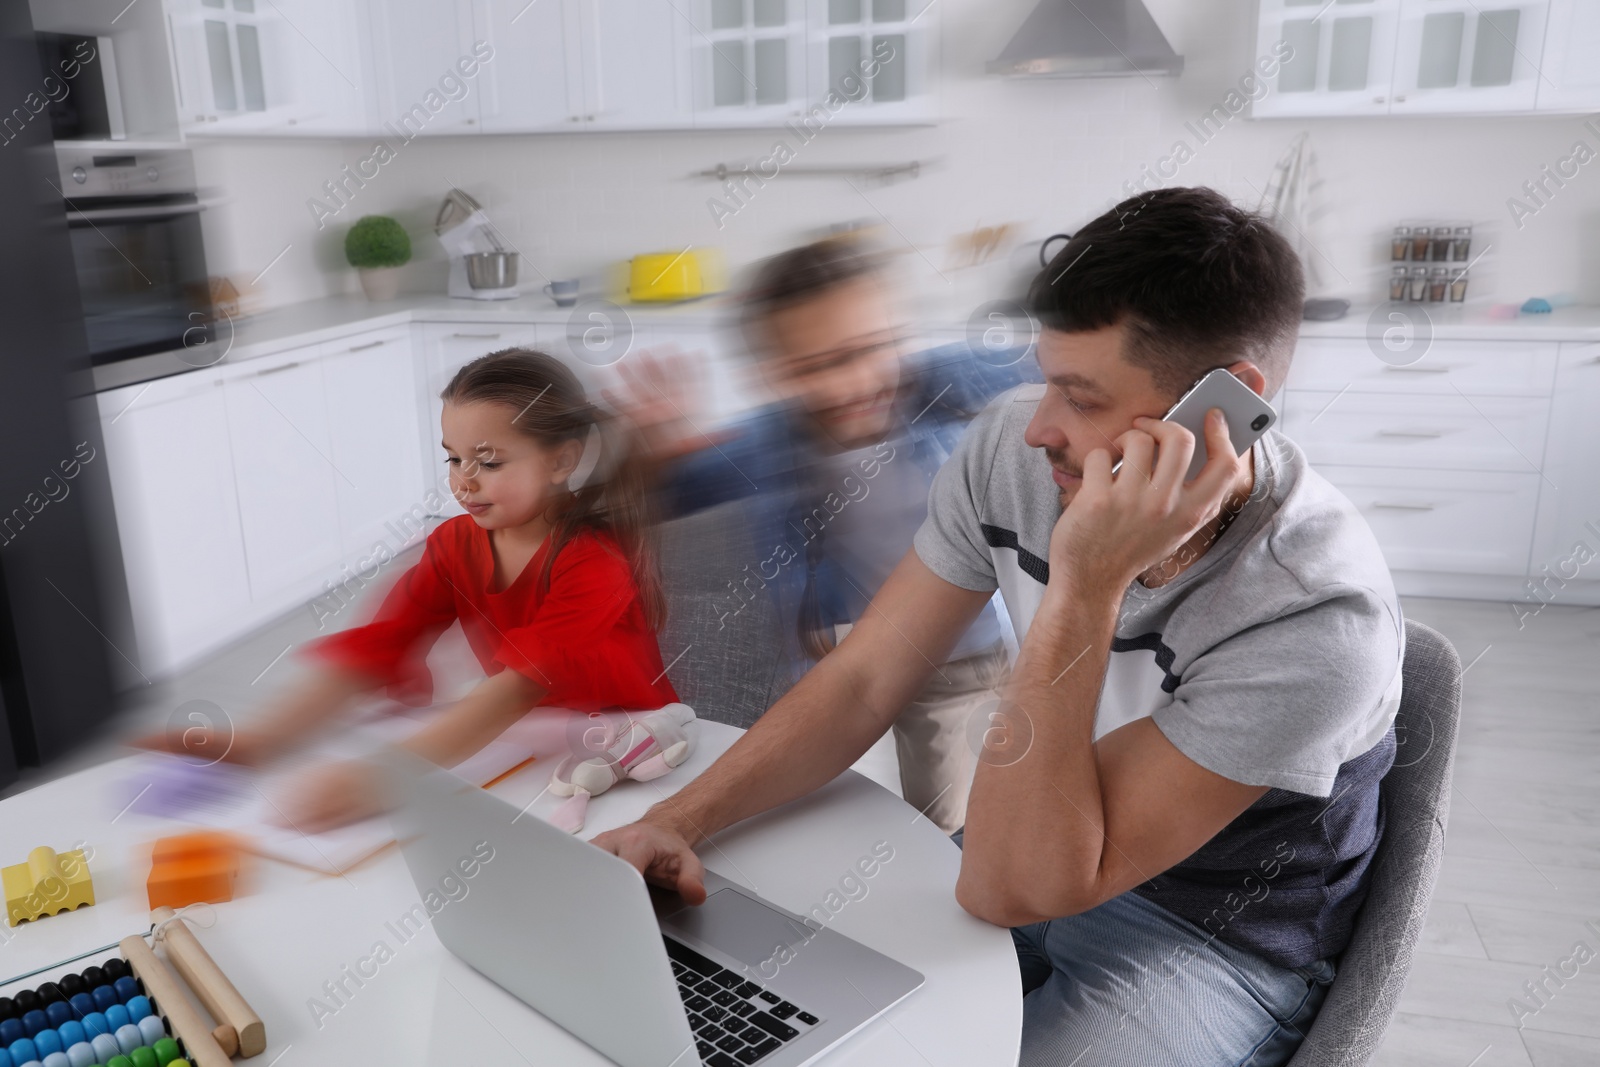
129	1038
11	1030
95	1024
35	1021
81	1054
50	993
144	1056
105	1047
27	1000
46	1042
22	1051
150	1026
8	1008
58	1013
116	967
166	1051
117	1017
94	976
57	1059
138	1007
72	1033
119	1061
81	1004
126	986
71	985
104	997
180	1062
5	1058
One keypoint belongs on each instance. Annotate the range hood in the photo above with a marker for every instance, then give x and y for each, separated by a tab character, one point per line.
1088	39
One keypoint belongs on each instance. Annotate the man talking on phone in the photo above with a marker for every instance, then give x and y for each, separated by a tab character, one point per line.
1176	802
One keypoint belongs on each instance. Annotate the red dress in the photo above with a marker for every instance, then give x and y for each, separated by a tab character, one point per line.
584	639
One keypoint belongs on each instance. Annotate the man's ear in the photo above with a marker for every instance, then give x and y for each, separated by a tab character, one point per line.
1250	375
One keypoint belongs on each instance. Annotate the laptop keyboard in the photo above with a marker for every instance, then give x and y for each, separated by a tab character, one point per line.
735	1021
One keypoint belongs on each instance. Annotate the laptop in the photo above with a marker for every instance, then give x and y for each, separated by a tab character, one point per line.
643	978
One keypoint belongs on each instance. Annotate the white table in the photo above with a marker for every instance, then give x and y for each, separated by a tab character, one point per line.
295	931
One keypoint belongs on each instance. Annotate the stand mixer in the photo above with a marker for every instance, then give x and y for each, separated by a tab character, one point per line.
480	267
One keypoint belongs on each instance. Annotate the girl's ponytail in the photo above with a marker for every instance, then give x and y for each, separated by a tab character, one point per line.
552	409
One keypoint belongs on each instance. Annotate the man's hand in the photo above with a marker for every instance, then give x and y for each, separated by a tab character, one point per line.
1115	529
663	396
661	854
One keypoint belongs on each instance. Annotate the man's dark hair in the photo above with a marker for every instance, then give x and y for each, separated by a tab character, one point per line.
803	274
1196	282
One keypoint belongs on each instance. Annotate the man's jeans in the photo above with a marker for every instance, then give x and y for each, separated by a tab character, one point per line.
1130	983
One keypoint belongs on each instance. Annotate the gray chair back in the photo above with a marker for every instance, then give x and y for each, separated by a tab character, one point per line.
1416	799
722	643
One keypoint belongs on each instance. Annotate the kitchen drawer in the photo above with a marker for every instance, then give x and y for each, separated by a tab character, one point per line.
1447	521
1458	432
1478	368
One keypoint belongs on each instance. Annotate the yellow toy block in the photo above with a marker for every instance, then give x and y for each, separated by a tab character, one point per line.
47	884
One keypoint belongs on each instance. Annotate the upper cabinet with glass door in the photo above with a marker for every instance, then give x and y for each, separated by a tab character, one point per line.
271	66
1466	56
1339	54
768	62
1431	57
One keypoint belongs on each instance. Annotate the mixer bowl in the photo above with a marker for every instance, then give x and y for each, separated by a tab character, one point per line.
491	270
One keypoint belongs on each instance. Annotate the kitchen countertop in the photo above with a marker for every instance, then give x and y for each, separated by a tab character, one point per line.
331	318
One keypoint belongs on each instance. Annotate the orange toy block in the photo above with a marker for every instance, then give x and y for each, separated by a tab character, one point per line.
195	867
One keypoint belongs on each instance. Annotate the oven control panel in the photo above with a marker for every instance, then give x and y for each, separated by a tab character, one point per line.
152	173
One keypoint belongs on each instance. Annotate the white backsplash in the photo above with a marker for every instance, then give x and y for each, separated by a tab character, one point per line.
1042	155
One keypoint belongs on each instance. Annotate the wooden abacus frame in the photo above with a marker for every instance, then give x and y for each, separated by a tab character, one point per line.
239	1030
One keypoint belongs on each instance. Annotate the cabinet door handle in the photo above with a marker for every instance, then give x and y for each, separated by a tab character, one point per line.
1596	359
477	336
275	370
1395	506
1410	433
369	344
1417	370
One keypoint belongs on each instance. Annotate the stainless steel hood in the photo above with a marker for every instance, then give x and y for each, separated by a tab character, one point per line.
1088	39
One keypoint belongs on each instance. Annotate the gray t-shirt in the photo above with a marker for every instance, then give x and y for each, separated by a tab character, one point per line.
1273	660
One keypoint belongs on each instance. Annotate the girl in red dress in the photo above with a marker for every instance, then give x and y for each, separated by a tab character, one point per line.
555	588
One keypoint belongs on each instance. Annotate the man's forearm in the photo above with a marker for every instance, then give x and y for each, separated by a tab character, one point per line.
810	736
1035	823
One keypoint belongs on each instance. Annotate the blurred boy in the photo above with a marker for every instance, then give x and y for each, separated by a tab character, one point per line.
841	464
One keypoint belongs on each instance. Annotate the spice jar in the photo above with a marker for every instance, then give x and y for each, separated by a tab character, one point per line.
1438	282
1442	245
1398	284
1420	239
1458	287
1400	244
1462	245
1418	290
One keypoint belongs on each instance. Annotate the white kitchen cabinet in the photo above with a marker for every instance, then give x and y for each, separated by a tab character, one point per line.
766	62
1569	73
1569	501
1458	56
534	84
285	475
271	67
371	383
172	485
428	78
1342	61
635	66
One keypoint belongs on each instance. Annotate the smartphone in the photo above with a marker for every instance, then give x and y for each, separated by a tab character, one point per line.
1248	415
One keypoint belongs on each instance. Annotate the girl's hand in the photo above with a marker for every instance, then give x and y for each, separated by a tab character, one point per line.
247	748
331	796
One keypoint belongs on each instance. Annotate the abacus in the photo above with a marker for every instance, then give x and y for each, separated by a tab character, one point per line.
129	1010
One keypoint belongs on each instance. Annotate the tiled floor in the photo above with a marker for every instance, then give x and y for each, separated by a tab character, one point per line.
1521	874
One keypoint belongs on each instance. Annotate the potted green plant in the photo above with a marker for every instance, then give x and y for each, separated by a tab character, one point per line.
378	246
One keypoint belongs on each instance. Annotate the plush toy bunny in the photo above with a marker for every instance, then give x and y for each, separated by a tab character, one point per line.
646	747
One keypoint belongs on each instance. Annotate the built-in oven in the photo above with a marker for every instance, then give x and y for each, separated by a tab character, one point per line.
134	220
